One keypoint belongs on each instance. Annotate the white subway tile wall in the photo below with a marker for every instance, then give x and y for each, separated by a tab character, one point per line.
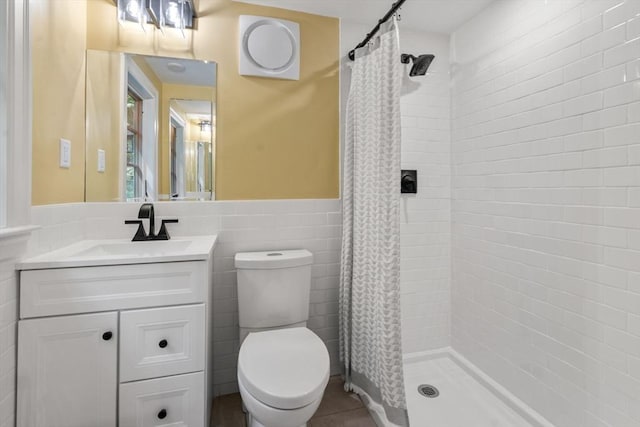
425	218
8	317
10	248
546	198
315	225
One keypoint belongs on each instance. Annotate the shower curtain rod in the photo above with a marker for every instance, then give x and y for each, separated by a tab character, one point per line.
385	18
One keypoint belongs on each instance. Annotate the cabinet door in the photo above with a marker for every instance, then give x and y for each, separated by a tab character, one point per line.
67	371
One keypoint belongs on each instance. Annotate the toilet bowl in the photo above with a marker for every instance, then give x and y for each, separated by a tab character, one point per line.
282	375
283	367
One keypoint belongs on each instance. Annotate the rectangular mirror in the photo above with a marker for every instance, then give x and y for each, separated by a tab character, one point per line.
150	128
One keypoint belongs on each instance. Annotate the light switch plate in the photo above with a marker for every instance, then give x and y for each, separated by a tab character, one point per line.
65	153
101	161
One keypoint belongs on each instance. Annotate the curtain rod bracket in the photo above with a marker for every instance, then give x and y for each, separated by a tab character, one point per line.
394	8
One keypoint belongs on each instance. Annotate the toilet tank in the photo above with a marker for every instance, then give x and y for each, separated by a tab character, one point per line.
273	288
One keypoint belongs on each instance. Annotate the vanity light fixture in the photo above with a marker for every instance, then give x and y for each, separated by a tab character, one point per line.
131	11
178	14
205	126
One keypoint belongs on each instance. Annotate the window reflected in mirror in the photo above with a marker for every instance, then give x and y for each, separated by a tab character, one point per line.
134	178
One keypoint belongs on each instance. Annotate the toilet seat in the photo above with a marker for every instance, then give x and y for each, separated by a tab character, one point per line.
284	368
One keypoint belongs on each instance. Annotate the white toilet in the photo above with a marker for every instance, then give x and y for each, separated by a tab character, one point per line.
283	367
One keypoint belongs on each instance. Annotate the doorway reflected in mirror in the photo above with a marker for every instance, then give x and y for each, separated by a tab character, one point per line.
191	136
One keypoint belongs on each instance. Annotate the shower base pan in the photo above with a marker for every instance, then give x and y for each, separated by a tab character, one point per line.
466	396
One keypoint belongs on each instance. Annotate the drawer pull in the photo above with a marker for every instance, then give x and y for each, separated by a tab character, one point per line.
107	335
163	343
162	414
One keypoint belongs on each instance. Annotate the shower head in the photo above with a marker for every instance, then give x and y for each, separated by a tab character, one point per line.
420	63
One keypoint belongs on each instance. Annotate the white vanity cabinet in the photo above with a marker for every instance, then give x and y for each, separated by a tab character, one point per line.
115	345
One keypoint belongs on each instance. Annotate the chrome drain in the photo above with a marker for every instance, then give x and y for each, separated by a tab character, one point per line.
429	391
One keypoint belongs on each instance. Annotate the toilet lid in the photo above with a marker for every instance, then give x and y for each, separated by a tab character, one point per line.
284	368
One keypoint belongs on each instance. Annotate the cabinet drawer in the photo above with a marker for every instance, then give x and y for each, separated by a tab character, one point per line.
116	287
169	401
161	341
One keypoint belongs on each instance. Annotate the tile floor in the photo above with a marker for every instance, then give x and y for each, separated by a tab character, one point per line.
337	409
462	402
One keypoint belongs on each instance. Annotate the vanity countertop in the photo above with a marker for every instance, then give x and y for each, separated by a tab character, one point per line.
90	253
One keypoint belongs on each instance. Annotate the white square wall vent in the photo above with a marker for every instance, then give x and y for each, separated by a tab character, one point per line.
269	47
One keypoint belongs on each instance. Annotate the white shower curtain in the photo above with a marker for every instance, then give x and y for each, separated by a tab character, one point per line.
370	330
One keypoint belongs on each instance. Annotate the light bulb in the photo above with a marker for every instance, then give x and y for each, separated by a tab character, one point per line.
133	8
172	15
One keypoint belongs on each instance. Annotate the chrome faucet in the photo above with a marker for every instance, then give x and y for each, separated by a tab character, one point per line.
146	212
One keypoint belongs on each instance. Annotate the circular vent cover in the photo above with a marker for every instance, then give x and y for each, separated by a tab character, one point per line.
270	45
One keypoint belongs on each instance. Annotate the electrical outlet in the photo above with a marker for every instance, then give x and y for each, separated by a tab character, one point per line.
101	161
65	153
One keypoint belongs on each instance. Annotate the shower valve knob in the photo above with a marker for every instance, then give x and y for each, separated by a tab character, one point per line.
409	181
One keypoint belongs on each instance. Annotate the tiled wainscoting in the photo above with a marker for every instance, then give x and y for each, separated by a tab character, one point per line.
546	205
241	226
10	248
8	318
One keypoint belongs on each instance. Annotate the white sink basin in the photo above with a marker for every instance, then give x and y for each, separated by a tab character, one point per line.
113	252
151	248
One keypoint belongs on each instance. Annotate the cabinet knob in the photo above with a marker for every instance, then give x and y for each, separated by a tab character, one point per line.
163	343
162	414
107	335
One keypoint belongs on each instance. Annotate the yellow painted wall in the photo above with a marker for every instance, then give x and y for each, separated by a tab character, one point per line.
104	109
58	60
276	139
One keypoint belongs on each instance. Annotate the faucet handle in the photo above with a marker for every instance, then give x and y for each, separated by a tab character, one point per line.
140	234
163	234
